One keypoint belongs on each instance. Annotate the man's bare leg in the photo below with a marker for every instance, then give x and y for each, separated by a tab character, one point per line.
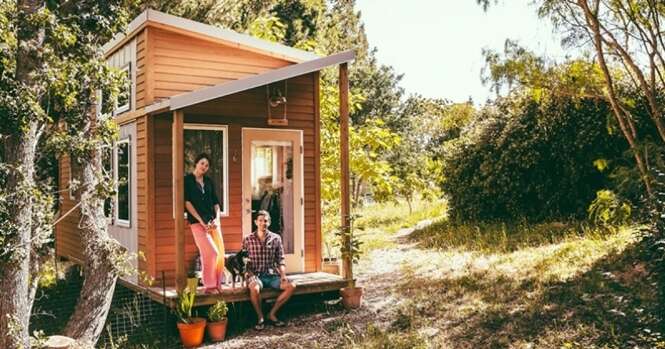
255	299
283	297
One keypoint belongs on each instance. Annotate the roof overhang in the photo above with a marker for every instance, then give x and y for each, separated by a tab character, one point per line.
228	88
226	36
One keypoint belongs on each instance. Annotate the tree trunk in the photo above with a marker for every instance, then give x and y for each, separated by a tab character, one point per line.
19	153
592	21
100	253
15	270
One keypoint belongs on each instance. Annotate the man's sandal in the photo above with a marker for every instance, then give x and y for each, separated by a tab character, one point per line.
260	326
277	323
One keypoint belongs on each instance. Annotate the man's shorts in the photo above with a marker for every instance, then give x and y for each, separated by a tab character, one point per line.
268	280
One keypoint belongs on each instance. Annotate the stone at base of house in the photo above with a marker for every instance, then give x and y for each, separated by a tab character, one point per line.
59	342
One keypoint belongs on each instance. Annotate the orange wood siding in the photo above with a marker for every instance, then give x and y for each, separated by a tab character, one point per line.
141	65
67	236
245	109
143	195
179	63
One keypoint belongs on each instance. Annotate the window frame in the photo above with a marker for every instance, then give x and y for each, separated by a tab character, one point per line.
225	158
119	109
116	207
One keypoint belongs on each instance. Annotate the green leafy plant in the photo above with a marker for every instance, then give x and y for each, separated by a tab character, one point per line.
608	209
184	305
218	311
352	250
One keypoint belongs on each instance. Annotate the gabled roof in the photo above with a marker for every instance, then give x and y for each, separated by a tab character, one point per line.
228	37
228	88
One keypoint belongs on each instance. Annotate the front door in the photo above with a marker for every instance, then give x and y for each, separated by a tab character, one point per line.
272	181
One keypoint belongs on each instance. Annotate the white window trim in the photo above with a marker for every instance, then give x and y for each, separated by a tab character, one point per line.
117	221
225	151
126	107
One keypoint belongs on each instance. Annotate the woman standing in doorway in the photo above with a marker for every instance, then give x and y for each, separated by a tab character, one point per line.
203	214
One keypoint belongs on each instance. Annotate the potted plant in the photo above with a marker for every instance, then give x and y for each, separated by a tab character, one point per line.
191	328
350	250
217	321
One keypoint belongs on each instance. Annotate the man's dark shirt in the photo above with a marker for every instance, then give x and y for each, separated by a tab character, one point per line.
203	199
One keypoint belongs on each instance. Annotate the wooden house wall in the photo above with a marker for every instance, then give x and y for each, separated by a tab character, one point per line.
245	109
179	63
169	63
67	236
68	239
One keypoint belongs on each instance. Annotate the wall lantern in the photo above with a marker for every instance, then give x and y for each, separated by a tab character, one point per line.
276	102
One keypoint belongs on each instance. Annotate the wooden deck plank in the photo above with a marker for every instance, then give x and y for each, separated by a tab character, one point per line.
306	283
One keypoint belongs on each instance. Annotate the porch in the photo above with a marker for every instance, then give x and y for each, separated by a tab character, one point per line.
306	283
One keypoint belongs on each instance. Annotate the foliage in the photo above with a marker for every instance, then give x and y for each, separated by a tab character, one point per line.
528	158
349	243
609	210
184	305
218	311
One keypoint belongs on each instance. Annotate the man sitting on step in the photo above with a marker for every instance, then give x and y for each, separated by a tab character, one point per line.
266	269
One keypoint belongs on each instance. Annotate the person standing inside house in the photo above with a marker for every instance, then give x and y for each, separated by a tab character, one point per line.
266	269
203	214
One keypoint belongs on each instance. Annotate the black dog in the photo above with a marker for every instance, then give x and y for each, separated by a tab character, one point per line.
236	265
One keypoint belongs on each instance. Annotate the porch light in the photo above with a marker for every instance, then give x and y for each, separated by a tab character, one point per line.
276	103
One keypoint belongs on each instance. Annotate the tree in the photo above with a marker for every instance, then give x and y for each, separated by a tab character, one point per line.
424	124
630	33
50	68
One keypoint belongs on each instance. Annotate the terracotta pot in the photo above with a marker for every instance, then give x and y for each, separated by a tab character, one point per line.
217	330
191	335
351	297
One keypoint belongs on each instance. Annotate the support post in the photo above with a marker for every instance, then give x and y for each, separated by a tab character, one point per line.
345	173
178	197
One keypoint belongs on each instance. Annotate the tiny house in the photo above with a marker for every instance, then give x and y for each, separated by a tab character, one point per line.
253	106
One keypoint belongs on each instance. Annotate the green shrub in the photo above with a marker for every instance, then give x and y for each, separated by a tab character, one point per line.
218	311
530	158
608	210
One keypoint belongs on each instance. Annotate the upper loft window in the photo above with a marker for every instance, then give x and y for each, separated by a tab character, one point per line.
124	100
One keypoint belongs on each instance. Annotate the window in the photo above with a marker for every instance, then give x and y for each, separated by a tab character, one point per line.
122	176
124	102
212	140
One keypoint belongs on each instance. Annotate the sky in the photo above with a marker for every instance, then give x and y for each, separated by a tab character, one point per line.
437	44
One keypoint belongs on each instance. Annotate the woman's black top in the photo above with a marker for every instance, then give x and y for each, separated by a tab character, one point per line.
203	199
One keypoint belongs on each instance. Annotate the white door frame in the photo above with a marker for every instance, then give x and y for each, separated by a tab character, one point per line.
295	263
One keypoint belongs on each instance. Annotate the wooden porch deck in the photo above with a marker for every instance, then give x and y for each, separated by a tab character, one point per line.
306	283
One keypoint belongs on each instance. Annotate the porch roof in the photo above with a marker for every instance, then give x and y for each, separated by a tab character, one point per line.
228	88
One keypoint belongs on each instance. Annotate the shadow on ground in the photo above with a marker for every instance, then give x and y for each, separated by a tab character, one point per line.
611	304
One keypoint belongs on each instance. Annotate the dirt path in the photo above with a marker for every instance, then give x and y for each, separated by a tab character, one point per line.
335	327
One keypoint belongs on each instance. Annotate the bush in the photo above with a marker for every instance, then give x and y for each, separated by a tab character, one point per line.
218	311
526	157
608	210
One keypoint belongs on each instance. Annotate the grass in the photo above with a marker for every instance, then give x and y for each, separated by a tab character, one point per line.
377	224
553	285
